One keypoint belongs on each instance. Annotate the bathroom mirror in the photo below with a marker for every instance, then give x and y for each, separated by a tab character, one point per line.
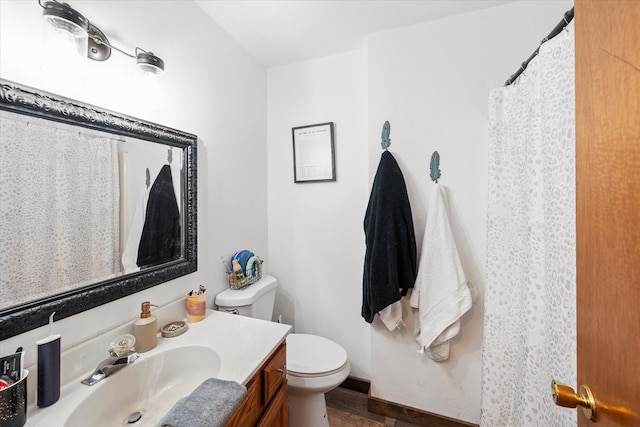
94	206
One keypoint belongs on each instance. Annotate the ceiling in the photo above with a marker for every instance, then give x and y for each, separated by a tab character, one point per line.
286	31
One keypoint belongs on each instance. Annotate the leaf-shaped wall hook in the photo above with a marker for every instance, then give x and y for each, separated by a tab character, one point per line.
435	165
386	131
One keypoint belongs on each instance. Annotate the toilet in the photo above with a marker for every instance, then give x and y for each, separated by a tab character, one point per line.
315	365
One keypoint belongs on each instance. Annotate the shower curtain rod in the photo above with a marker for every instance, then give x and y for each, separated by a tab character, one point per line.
566	19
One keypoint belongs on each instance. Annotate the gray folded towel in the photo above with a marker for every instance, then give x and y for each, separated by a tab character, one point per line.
210	405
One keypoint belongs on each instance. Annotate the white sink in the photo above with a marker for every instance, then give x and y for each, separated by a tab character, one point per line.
151	386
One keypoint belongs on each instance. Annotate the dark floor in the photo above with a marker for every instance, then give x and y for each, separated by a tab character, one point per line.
348	408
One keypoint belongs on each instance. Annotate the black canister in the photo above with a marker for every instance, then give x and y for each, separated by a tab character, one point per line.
48	371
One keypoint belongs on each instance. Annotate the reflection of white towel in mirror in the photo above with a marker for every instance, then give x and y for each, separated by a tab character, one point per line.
176	173
130	252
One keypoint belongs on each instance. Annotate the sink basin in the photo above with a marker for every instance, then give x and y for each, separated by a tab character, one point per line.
150	386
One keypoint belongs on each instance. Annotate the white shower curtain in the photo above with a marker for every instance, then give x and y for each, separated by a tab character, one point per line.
59	207
530	314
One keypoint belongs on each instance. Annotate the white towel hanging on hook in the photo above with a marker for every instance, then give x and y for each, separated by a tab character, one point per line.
442	293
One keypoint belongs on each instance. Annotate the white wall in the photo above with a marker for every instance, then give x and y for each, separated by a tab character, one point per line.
315	229
211	88
431	81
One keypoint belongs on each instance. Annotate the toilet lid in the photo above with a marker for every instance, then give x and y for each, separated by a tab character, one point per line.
311	354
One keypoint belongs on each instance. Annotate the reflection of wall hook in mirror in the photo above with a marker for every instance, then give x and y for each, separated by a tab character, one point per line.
148	179
170	155
435	167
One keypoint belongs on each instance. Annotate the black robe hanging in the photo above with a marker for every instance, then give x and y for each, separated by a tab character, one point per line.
161	238
390	257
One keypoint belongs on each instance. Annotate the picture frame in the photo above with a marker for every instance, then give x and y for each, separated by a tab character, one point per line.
313	153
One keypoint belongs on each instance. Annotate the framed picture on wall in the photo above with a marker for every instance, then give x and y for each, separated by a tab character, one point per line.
313	153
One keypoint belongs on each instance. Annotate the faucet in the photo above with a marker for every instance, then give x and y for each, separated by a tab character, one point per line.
109	366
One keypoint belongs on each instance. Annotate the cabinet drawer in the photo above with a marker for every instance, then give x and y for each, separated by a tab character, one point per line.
274	373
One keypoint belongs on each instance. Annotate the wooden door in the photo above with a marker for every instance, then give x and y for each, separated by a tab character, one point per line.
608	207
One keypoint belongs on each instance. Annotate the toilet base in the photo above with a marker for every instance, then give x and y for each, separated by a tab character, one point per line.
308	411
307	405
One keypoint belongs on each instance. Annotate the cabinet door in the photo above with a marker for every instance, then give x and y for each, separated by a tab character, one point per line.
267	389
277	414
250	410
274	374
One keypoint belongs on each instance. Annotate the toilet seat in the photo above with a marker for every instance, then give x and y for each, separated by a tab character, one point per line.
323	374
313	356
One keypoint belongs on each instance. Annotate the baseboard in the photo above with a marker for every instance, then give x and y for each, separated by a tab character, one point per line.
412	415
356	384
401	412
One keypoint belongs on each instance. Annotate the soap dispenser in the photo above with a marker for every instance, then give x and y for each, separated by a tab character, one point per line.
145	329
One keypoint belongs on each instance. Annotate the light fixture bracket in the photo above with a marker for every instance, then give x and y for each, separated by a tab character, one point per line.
98	47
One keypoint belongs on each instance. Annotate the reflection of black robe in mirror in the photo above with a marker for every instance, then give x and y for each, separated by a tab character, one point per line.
160	240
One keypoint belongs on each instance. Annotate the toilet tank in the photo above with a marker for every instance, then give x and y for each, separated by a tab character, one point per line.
253	301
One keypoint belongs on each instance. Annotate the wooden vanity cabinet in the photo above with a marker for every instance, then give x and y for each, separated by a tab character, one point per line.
265	404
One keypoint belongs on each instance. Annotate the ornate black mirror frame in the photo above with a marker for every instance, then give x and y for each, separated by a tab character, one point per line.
33	314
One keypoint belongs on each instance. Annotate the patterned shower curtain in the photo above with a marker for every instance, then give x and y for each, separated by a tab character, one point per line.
59	207
530	314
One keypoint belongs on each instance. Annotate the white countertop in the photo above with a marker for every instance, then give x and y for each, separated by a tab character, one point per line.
243	344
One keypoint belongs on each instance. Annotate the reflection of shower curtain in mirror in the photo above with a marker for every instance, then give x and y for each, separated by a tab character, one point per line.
59	208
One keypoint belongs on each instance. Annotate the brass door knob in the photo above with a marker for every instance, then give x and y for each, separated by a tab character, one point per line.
563	395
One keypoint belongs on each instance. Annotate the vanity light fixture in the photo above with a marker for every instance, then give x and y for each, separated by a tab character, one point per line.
66	19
